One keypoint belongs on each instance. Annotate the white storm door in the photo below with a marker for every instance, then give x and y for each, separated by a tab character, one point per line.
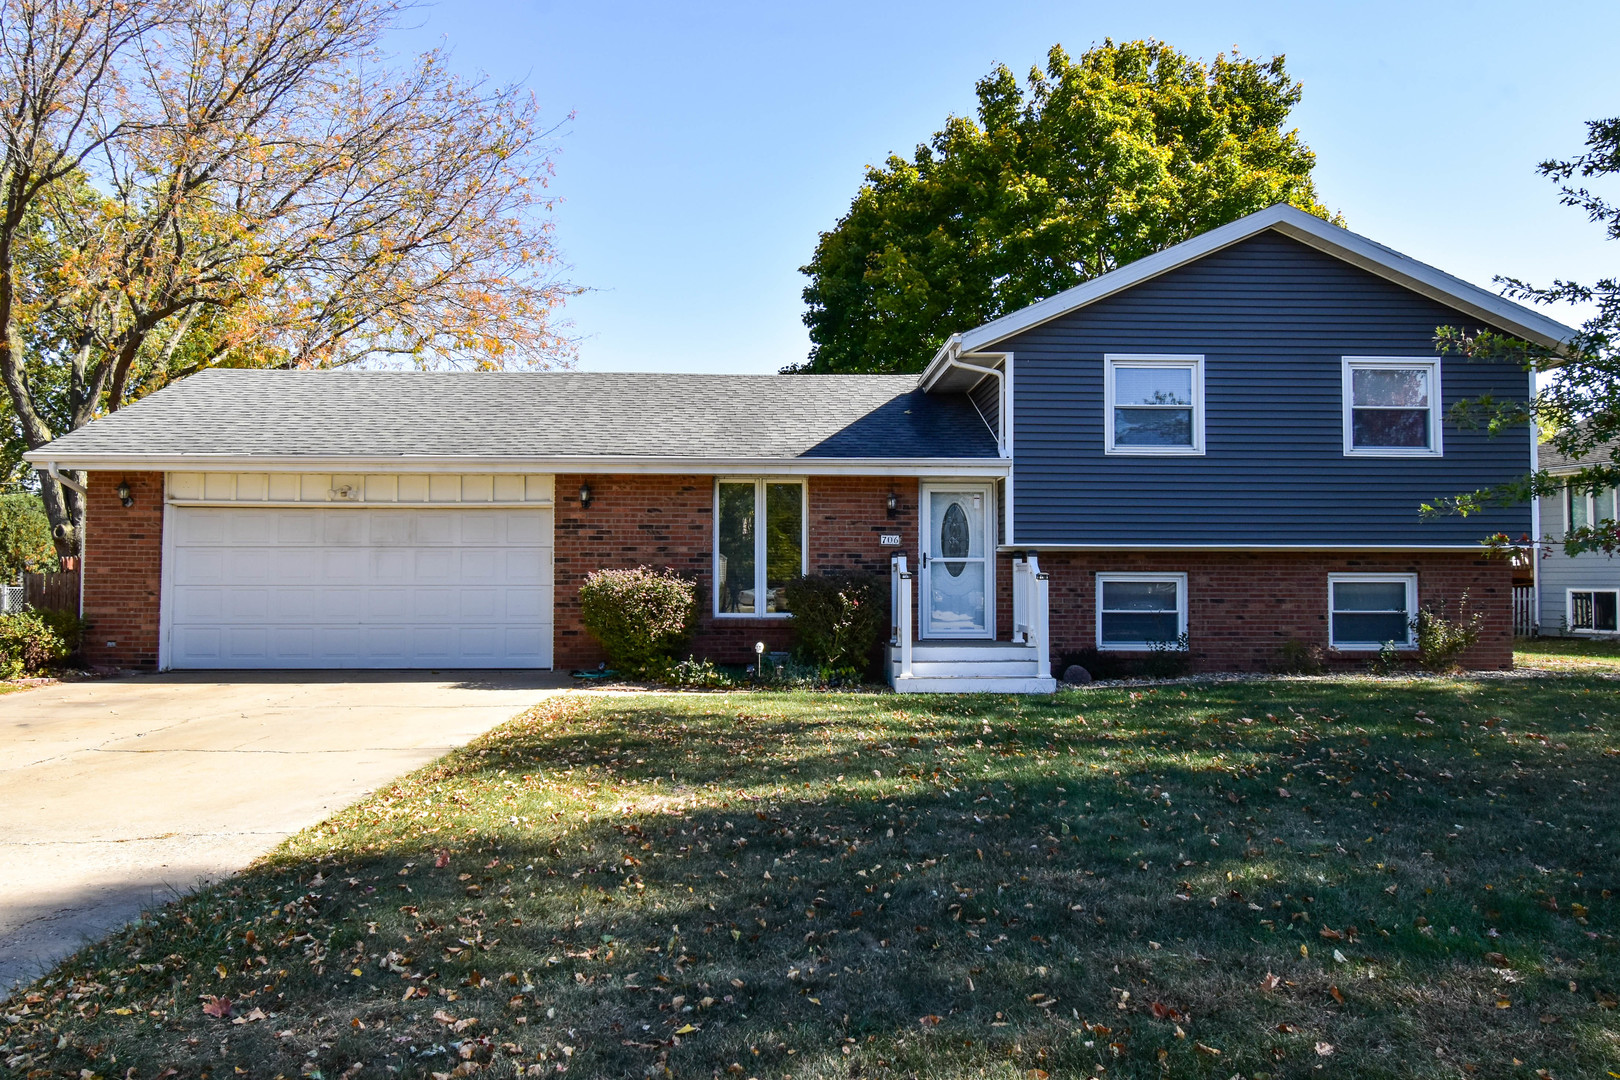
358	587
956	571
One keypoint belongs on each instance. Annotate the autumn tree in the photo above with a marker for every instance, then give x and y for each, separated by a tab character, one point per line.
1131	149
1577	401
255	182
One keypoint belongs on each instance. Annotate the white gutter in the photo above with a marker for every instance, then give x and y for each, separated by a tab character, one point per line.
55	474
444	463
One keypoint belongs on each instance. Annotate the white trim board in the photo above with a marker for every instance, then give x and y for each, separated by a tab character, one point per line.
896	467
1296	224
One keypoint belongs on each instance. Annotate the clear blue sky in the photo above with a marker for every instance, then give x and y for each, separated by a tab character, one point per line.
712	142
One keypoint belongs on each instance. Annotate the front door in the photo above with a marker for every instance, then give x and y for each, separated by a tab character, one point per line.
956	565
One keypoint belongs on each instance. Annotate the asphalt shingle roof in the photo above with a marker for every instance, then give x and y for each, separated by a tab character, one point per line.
538	414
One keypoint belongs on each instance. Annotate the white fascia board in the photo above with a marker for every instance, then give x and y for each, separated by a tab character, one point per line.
962	467
1308	229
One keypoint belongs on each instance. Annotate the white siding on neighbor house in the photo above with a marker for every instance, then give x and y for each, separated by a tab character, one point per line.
358	489
1560	573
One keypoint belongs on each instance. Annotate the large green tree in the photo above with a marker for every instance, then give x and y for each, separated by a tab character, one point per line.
1131	149
1577	402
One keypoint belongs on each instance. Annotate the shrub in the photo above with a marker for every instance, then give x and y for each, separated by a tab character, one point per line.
32	641
690	674
1441	641
840	618
1300	658
641	616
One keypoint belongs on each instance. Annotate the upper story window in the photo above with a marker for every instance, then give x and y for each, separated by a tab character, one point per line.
1155	404
1583	508
759	545
1391	407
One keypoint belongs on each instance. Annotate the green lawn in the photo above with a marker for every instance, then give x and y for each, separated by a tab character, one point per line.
1568	654
1369	878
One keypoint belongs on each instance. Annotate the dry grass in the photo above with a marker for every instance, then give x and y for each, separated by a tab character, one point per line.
1353	878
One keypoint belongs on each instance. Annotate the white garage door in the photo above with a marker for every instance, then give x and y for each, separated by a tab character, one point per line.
358	588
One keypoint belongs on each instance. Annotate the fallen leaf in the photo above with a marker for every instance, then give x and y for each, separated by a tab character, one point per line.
1210	1050
1282	792
1334	990
1270	982
1323	1049
1496	959
686	1029
217	1007
930	1020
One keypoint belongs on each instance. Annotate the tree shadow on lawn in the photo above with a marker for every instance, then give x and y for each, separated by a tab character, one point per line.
1113	880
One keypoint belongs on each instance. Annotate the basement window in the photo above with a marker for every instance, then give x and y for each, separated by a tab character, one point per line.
1369	611
1141	611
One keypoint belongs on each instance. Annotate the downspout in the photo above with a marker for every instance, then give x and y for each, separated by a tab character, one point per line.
1001	398
56	474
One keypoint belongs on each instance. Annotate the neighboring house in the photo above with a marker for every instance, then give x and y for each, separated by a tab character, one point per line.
1576	594
1221	447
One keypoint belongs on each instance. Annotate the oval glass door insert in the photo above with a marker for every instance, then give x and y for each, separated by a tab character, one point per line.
954	541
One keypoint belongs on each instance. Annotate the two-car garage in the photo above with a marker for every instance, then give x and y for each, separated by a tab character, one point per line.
368	571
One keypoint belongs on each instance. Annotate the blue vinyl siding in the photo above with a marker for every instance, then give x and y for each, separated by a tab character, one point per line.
1273	319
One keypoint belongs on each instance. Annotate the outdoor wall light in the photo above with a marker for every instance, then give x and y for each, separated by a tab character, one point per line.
759	650
893	504
123	493
584	495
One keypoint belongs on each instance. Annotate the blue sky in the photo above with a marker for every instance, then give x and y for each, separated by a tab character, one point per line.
711	143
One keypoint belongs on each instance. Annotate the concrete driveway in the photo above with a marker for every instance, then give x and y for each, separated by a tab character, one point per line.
117	794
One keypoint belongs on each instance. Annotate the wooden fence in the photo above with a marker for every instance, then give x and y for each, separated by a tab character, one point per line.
1524	610
54	592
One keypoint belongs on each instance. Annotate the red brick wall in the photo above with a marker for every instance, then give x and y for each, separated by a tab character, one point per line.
1244	606
669	521
123	560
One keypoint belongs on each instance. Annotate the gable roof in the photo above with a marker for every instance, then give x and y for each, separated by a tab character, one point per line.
227	416
1549	458
1341	243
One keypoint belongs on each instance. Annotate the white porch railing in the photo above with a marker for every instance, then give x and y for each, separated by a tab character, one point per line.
900	612
1030	611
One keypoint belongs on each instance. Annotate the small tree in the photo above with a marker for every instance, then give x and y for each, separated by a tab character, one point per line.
641	616
25	536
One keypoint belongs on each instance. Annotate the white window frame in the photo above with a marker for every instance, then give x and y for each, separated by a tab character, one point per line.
1351	364
759	483
1592	518
1140	646
1569	612
1193	363
1411	583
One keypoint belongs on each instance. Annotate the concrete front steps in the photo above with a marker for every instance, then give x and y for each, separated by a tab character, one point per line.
969	667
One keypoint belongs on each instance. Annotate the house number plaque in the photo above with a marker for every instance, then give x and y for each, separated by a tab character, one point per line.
888	539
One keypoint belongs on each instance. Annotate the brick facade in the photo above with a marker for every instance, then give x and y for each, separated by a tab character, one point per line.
1243	607
669	521
123	564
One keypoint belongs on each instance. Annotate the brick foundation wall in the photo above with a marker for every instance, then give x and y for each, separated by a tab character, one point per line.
123	562
1244	606
668	521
